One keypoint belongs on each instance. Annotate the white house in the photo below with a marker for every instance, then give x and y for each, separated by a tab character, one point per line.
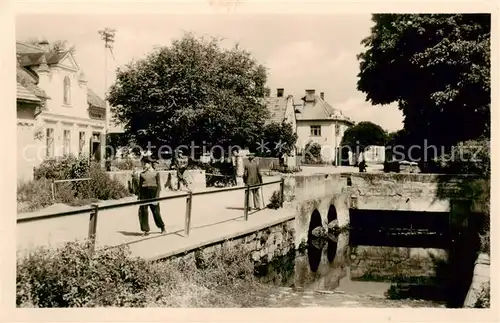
64	115
317	121
374	154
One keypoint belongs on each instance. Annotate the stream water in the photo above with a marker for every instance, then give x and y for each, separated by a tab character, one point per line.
333	273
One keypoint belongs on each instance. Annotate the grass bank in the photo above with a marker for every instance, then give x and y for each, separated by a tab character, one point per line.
71	276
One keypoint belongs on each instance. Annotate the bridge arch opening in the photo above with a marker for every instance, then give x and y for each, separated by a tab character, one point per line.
332	213
314	245
315	221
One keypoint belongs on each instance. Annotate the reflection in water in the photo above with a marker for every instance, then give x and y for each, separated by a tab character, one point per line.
384	260
321	274
314	250
331	250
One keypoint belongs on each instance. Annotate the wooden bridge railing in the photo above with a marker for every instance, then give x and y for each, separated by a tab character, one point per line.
95	208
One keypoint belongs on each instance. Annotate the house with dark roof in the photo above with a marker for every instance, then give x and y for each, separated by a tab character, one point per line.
282	109
317	121
59	113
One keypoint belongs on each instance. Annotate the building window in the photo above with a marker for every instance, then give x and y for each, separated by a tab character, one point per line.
67	142
67	91
315	131
81	146
50	142
337	129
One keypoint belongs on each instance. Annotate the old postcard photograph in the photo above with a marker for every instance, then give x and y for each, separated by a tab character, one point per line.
230	158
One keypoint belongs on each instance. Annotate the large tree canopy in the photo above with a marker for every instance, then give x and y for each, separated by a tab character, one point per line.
276	140
193	90
436	67
362	135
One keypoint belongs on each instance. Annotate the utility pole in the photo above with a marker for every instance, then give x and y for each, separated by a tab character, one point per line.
108	35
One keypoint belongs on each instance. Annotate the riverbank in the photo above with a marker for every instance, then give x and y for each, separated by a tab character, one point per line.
479	291
48	278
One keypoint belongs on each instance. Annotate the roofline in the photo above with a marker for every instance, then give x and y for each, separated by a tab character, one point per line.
29	45
326	119
38	101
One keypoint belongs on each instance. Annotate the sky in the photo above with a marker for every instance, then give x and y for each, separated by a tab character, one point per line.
300	52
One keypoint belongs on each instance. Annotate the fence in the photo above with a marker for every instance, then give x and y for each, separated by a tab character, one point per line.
94	209
54	182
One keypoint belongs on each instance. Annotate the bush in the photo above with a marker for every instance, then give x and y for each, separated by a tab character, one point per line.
275	200
470	157
63	168
102	187
312	153
125	164
34	195
483	299
37	194
70	276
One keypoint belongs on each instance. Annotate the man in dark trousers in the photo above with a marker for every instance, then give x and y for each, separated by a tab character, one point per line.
252	176
149	187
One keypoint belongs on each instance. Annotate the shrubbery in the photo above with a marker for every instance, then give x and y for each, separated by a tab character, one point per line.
125	164
275	200
72	277
37	194
470	157
312	154
62	168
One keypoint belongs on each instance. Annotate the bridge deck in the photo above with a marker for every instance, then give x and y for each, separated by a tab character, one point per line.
214	217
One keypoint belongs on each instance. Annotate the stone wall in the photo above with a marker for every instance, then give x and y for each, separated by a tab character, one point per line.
390	262
167	177
480	283
263	245
415	192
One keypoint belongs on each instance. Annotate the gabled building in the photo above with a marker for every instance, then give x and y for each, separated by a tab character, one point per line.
64	115
317	121
282	109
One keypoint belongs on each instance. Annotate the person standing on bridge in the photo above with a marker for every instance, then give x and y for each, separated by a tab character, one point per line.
252	176
149	188
181	164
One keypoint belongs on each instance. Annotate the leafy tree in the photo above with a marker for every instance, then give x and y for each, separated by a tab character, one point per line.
193	90
437	68
279	138
312	153
362	135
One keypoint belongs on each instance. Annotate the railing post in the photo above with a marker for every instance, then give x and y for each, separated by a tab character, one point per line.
93	227
189	204
53	189
282	192
247	196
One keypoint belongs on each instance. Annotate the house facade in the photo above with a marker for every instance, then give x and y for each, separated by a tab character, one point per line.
282	109
68	117
317	121
374	154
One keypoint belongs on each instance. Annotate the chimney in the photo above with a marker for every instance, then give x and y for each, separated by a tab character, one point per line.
267	92
322	95
279	92
43	72
44	44
310	95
